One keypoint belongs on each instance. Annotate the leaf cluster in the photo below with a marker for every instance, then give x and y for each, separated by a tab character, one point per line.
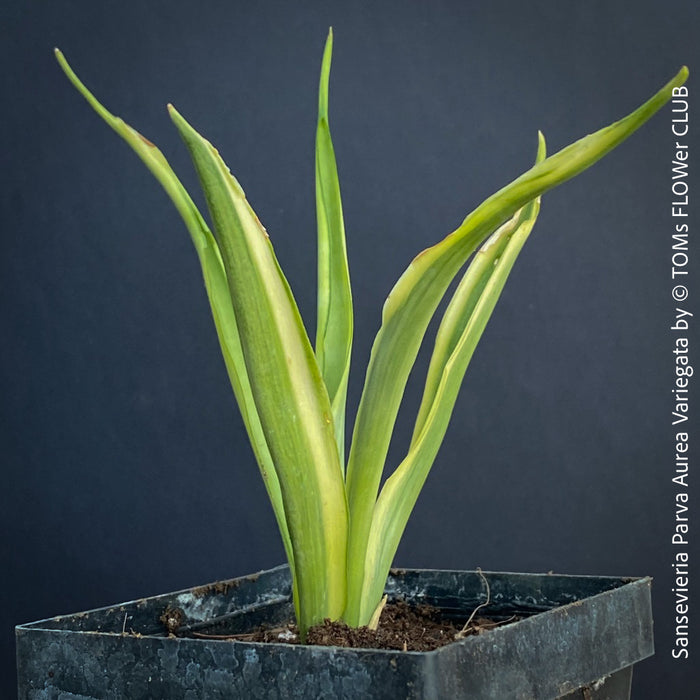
339	524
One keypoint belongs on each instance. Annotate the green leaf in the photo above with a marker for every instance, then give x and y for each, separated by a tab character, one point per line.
460	331
498	250
217	292
334	320
410	307
288	390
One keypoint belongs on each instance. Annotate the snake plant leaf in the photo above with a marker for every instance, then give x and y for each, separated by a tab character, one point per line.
216	287
412	303
287	386
334	319
458	335
459	312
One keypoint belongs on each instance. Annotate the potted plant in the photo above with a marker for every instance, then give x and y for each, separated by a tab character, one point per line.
339	524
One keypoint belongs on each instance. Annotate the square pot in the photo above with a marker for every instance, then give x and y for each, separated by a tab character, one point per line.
579	638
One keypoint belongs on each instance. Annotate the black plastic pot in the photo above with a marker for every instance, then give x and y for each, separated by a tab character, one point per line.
579	639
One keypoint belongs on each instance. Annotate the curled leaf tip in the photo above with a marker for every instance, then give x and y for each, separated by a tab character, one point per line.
680	77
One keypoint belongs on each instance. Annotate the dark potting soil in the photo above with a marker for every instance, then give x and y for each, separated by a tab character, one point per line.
401	626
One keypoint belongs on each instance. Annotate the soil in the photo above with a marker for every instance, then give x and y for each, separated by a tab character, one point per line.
401	627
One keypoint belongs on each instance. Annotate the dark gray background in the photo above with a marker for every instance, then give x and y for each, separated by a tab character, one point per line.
126	468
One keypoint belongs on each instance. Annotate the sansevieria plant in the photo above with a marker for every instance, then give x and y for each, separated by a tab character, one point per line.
340	529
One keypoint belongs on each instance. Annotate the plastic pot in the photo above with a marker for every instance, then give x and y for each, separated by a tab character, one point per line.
579	638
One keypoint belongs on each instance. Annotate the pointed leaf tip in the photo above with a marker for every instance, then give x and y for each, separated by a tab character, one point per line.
541	147
177	118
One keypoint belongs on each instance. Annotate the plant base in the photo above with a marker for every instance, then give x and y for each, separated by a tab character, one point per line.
579	639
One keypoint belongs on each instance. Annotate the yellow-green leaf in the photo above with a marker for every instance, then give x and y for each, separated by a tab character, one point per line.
411	305
334	319
458	335
289	393
217	292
